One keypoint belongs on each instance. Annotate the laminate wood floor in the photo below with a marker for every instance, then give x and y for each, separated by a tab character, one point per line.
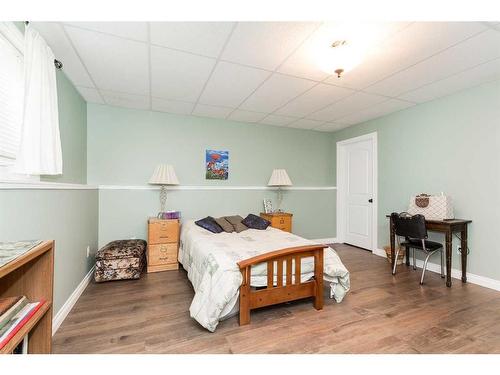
381	314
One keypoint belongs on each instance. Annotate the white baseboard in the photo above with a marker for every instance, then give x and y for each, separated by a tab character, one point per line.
70	302
325	240
456	274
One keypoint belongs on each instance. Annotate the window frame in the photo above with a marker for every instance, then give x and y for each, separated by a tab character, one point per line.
13	35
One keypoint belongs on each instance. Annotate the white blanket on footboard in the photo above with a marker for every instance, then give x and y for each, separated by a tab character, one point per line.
210	261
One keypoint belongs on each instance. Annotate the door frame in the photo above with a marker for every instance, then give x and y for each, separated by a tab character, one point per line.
341	187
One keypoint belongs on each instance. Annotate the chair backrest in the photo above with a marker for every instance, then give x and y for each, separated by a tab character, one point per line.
412	226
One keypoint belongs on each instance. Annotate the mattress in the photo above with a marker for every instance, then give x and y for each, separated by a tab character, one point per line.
211	264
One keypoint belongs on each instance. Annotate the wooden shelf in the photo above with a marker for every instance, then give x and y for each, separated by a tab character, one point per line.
32	275
19	336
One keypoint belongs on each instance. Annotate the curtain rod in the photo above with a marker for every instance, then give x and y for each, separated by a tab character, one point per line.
57	63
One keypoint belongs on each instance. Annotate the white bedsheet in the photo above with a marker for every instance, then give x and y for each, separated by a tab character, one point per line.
210	261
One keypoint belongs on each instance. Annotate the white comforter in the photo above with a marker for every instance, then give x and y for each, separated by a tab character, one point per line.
210	261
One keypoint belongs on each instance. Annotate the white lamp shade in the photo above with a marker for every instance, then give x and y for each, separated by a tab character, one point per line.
279	178
164	174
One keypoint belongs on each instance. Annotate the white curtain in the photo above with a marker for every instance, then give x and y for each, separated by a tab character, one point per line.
40	148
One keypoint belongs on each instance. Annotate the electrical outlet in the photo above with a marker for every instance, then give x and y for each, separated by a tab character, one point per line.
88	251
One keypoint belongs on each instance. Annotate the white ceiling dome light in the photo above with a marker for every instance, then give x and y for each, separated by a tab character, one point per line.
340	47
340	58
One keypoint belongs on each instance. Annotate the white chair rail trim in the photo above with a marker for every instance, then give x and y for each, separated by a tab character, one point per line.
41	185
210	187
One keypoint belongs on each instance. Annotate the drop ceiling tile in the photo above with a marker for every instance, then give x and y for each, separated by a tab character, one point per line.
483	73
412	44
347	106
55	37
211	111
314	99
375	111
130	30
492	25
306	61
125	100
305	124
331	127
178	75
90	95
472	52
275	92
277	120
115	64
230	84
205	38
266	44
171	106
246	116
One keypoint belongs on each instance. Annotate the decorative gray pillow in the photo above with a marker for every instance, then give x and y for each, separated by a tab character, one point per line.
225	225
256	222
209	224
236	222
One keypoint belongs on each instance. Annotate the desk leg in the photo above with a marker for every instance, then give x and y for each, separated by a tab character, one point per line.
463	245
448	257
393	244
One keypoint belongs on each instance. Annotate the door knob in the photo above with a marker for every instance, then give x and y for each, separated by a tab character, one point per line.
370	200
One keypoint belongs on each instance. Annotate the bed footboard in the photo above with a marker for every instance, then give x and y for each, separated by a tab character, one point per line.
292	289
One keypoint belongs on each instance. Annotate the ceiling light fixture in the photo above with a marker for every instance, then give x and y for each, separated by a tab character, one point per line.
340	58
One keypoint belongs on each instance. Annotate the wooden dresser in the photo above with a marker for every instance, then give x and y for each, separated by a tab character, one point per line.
163	244
279	220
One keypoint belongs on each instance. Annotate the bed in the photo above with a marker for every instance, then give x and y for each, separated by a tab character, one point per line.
218	265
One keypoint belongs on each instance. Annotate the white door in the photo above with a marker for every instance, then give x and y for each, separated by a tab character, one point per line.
358	192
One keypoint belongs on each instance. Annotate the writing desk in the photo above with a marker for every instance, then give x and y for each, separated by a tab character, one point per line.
448	227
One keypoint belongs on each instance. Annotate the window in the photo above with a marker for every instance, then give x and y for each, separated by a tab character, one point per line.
11	94
11	99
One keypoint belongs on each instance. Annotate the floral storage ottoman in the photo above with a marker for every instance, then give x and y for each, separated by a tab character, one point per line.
120	260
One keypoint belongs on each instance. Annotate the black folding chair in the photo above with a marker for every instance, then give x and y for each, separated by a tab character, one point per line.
412	228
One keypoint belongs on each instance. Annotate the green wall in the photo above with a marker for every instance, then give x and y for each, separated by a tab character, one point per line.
125	145
67	216
452	145
73	130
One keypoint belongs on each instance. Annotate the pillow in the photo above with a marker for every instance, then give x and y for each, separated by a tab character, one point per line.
209	224
256	222
236	223
225	225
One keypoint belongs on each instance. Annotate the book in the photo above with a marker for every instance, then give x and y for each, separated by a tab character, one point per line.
12	311
12	320
7	303
20	319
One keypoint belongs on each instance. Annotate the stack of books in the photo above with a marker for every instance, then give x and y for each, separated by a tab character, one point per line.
15	312
168	215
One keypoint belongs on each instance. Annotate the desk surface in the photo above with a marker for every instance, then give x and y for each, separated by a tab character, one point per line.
449	221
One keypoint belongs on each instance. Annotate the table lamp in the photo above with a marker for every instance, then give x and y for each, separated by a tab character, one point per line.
279	178
163	175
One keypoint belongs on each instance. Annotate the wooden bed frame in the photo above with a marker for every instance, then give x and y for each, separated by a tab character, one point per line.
279	293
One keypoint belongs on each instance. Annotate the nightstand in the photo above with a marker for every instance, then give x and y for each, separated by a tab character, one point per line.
163	244
279	220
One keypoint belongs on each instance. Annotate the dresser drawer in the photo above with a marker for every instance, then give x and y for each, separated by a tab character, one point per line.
282	222
162	254
163	232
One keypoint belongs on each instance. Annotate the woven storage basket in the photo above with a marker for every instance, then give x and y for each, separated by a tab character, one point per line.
400	255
